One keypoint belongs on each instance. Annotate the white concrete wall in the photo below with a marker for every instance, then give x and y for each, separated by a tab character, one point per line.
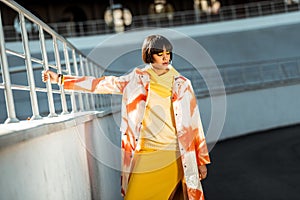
59	158
53	166
253	111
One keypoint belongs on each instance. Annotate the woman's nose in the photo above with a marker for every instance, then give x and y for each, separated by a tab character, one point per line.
165	56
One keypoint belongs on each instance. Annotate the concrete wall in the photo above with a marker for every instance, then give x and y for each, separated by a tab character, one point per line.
253	111
53	166
59	158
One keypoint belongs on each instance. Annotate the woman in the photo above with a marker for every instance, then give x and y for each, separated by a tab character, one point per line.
163	144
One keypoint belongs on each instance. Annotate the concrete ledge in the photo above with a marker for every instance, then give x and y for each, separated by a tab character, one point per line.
26	130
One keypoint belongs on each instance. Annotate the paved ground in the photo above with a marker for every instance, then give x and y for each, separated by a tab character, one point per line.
260	166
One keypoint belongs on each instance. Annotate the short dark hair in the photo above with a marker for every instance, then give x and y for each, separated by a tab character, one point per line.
154	44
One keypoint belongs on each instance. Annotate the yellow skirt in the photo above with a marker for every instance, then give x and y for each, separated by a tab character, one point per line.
155	175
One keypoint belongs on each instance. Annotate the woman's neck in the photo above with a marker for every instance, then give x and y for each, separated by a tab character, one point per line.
159	71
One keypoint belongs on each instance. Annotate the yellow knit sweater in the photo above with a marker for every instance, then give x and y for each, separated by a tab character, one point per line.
158	131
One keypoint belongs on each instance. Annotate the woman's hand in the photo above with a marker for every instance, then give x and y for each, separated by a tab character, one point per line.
52	76
202	171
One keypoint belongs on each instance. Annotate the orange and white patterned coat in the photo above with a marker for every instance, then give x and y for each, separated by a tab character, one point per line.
135	88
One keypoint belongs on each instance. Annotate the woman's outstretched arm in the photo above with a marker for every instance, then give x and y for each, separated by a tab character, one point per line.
102	85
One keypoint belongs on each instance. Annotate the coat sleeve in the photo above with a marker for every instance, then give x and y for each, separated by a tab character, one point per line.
102	85
199	137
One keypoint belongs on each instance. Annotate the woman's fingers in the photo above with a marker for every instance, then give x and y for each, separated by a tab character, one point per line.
49	75
44	76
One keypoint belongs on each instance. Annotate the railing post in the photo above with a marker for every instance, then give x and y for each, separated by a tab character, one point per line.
10	106
221	15
46	67
67	61
77	74
89	70
84	72
30	75
96	73
233	12
260	11
197	10
247	13
272	7
100	100
87	104
285	7
58	64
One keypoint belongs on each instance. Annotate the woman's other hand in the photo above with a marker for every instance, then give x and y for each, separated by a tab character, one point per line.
52	76
202	171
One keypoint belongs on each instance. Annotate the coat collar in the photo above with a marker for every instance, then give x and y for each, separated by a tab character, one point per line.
145	76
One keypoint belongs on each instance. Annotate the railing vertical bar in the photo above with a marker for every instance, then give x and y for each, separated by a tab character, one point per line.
96	74
10	106
222	18
58	64
260	11
82	64
91	72
233	12
247	13
285	7
145	21
77	74
272	7
46	67
95	99
100	73
89	95
67	61
30	75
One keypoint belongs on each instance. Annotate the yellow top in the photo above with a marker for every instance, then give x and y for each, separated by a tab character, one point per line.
158	131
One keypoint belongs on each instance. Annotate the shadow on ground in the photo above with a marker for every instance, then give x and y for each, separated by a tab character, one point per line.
260	166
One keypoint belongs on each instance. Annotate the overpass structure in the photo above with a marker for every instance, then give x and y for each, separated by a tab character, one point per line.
56	144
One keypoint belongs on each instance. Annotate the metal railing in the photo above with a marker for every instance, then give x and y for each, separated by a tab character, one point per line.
181	18
67	60
241	77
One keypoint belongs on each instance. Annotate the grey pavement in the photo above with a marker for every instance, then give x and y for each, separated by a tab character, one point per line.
259	166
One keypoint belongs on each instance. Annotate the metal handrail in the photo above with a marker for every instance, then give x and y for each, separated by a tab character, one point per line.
239	77
61	65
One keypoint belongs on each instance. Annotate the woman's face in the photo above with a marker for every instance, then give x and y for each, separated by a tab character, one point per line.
161	60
